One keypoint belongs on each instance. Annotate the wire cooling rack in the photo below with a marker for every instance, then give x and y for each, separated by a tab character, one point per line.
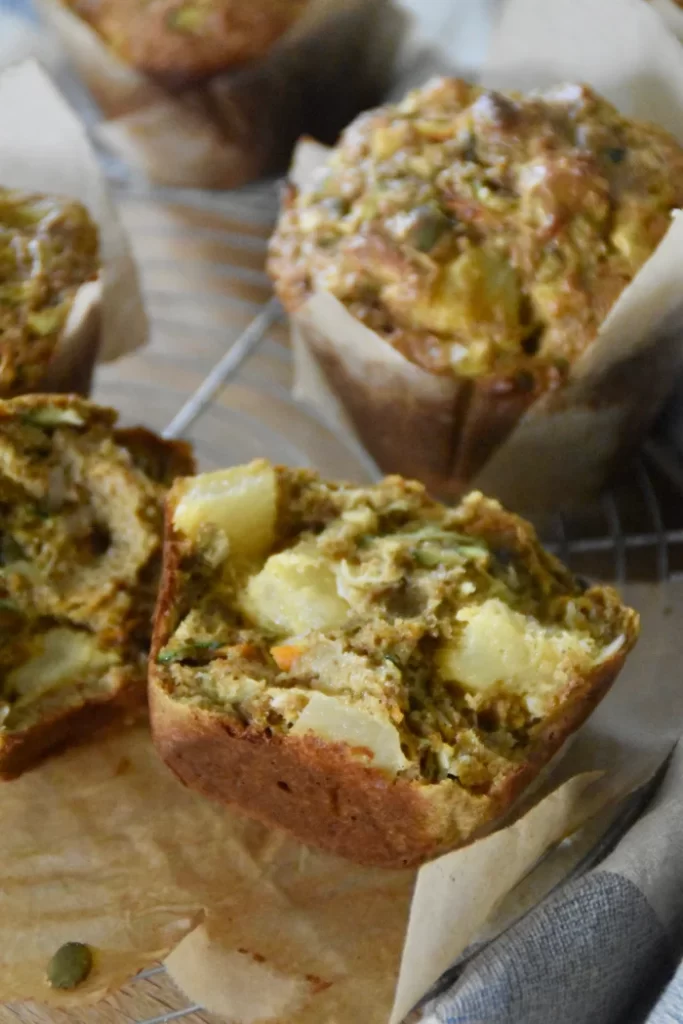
218	371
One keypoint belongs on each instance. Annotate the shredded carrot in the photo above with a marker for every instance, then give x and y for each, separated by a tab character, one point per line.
286	654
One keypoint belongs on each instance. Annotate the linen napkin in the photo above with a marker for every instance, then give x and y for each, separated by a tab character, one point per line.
604	949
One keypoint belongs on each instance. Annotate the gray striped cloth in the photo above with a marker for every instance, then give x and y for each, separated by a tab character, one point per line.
606	948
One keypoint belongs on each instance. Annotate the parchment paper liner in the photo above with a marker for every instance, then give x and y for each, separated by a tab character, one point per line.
44	148
673	16
70	371
534	451
238	125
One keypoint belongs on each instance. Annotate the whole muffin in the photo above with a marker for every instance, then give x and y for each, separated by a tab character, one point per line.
48	250
484	237
213	94
188	39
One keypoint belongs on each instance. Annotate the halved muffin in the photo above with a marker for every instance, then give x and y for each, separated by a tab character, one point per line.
81	523
49	253
452	261
375	673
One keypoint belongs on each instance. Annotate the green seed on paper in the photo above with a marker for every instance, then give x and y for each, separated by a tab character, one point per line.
70	966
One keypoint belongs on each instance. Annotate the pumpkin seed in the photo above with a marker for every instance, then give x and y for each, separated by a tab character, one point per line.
427	225
70	966
190	651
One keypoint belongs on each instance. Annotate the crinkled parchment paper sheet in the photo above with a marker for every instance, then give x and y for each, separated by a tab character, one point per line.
563	443
44	148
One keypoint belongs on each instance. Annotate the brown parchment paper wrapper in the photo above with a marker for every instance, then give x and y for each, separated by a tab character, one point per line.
239	124
44	148
533	451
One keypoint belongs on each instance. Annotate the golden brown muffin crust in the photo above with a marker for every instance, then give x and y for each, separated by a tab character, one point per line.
186	40
322	797
482	232
48	250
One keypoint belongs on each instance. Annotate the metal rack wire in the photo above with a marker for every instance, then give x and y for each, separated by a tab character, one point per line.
630	521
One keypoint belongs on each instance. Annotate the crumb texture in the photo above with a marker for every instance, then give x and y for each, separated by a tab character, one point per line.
81	516
433	643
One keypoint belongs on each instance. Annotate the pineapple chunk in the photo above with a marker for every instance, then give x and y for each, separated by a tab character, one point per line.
240	501
370	739
61	656
295	593
500	648
477	289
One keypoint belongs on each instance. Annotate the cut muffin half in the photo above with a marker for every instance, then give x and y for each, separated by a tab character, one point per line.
374	672
81	522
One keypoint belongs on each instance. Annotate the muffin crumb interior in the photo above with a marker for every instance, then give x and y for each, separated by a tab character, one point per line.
435	642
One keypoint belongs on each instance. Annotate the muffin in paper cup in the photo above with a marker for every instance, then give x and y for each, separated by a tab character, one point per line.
49	294
69	291
214	93
489	284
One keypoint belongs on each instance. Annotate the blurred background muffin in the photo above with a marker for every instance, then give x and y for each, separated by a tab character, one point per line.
184	40
215	93
483	237
49	252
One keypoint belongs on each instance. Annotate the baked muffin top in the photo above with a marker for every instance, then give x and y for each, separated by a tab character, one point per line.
183	40
48	249
482	232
